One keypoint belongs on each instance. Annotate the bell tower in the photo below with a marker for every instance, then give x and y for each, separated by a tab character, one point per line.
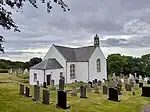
96	40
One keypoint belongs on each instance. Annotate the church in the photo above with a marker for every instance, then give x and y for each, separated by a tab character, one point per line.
82	64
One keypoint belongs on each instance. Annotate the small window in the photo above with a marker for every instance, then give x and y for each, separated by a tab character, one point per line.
98	62
35	76
72	71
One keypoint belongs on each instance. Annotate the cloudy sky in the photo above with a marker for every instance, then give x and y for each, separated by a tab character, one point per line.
122	25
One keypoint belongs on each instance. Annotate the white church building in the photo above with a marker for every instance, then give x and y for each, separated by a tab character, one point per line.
81	64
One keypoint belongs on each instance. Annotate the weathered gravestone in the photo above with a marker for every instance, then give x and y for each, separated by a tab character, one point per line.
112	84
145	91
140	84
74	91
135	87
21	89
126	80
36	93
83	92
128	87
113	94
62	100
27	94
99	83
131	82
96	89
46	95
53	84
44	85
61	84
105	90
119	84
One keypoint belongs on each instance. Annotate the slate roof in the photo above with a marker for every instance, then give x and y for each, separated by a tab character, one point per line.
76	54
48	64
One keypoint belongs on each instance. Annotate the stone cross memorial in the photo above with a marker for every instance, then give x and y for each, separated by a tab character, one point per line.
83	92
113	94
62	100
46	95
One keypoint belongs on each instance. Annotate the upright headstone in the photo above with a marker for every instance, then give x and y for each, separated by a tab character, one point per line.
131	82
74	91
62	100
137	81
53	84
36	93
27	94
140	84
105	90
145	91
135	86
140	78
83	92
46	95
119	84
126	80
99	83
21	89
61	84
113	94
112	83
96	89
90	83
44	84
128	87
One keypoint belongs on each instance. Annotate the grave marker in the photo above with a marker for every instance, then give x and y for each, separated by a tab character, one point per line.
83	92
105	90
46	98
113	94
36	93
21	89
74	91
61	84
62	100
145	91
140	84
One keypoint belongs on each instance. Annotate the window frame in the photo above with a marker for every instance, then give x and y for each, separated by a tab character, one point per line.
72	71
98	65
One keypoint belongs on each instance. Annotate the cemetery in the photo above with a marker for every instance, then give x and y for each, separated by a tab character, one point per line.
123	94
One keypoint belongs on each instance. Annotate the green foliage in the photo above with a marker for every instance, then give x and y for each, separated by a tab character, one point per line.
127	64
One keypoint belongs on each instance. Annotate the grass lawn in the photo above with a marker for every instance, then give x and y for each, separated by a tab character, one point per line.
11	101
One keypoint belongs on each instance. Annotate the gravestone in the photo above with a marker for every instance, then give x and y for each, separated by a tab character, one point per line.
119	90
95	80
135	87
105	90
112	84
126	80
83	92
21	89
128	87
99	83
140	84
119	84
90	83
61	84
74	91
96	89
44	84
46	95
113	94
62	100
37	83
131	82
148	81
145	91
36	93
137	81
53	84
27	94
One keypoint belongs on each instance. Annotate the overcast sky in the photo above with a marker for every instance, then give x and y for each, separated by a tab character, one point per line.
122	25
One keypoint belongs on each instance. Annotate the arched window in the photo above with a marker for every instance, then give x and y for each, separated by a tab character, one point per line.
98	62
72	71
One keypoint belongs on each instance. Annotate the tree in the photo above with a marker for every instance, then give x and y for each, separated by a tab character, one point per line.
34	61
1	43
6	20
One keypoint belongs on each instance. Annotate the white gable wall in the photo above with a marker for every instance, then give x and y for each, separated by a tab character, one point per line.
81	71
93	74
54	53
55	75
40	76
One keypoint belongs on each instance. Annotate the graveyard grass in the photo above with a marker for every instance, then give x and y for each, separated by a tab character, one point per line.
11	101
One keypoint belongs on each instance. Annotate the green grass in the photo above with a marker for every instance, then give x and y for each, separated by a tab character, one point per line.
11	101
